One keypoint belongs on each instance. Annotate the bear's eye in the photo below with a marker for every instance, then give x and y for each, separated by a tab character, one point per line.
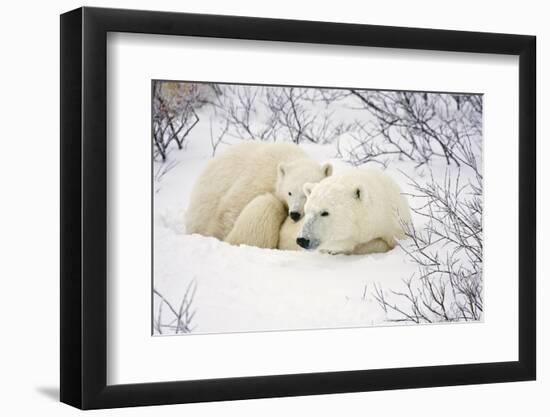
289	193
324	213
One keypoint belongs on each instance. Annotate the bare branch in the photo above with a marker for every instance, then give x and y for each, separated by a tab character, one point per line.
180	320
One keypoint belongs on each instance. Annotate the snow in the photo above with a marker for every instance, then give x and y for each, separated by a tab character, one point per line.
243	289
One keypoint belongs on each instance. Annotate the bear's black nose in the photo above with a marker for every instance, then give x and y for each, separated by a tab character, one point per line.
303	242
294	215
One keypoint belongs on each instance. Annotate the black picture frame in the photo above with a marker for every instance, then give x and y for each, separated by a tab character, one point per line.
84	207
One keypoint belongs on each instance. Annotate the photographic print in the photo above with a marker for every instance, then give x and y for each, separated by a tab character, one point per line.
293	207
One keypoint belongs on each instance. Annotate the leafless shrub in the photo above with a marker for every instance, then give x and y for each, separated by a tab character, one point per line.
175	320
217	140
276	113
448	287
237	105
174	114
296	110
419	127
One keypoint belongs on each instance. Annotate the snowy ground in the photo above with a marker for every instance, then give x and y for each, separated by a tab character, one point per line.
238	289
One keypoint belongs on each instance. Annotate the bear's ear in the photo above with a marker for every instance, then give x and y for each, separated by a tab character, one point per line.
327	169
281	170
359	193
308	186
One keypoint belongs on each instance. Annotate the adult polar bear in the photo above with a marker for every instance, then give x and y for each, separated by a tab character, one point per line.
233	180
359	212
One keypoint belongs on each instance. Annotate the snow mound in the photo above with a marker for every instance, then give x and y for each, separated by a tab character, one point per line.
251	289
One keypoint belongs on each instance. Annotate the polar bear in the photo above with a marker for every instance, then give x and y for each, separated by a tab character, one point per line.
360	211
259	223
260	220
244	172
264	223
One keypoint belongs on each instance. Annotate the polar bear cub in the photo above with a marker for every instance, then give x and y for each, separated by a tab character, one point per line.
243	173
360	211
264	223
259	223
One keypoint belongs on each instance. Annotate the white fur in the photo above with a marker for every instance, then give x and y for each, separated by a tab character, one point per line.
288	234
264	223
364	212
235	178
259	223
